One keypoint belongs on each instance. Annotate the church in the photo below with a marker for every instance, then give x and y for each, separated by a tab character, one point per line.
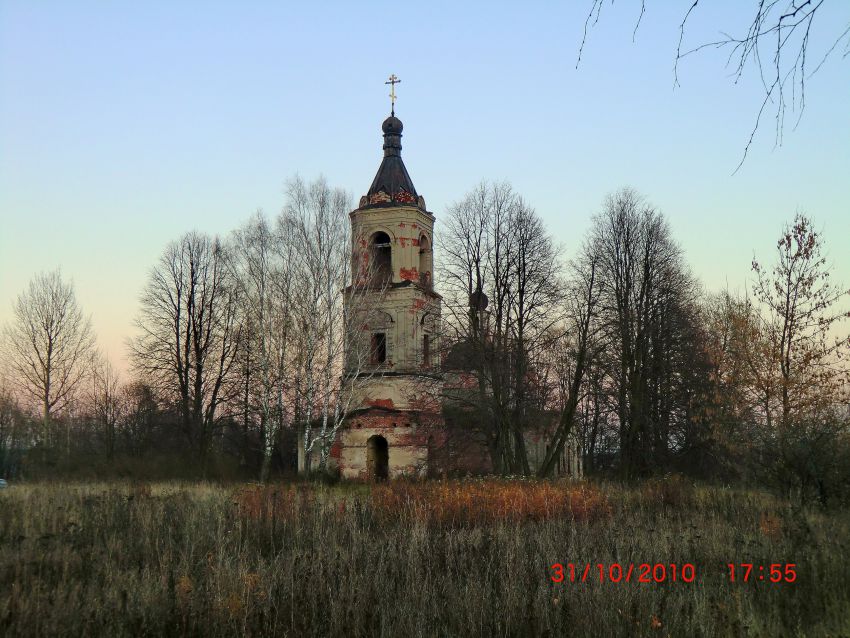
395	421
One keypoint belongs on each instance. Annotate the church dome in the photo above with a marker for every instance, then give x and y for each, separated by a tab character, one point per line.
392	184
392	125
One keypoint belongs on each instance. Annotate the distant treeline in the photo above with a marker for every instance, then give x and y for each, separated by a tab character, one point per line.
242	342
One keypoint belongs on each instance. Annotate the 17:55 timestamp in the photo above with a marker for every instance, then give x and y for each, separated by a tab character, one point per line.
774	573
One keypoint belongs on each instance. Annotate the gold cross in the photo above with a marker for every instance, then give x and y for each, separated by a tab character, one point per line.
393	81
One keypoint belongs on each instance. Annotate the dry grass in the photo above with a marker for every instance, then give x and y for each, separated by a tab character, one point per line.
454	504
434	559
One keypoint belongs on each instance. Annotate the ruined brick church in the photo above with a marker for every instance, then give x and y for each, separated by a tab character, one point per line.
396	423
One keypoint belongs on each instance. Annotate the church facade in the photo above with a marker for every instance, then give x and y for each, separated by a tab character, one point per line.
394	424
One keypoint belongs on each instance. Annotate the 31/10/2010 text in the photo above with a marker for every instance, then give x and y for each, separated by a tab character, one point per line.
617	573
667	572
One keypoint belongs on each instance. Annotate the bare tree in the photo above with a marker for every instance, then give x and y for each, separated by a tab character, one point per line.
496	243
804	376
188	334
263	261
647	307
775	43
580	344
104	403
596	429
330	363
316	219
299	305
48	345
800	305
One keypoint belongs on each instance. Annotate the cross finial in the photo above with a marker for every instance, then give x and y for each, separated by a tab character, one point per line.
392	81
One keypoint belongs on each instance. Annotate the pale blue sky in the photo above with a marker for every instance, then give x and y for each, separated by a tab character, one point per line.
122	125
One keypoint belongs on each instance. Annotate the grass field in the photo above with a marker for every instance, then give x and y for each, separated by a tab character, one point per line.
465	558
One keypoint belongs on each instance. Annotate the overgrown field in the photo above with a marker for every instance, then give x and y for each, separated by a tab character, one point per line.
435	559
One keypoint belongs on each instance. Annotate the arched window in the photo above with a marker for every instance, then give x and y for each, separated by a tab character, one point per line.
425	261
382	258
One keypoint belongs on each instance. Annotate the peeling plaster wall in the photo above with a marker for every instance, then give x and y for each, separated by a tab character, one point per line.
409	301
407	455
410	314
412	444
405	226
399	399
401	392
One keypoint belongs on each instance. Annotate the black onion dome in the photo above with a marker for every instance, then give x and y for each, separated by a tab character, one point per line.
392	125
392	183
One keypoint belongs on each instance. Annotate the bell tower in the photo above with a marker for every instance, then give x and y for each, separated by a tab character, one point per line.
392	262
392	353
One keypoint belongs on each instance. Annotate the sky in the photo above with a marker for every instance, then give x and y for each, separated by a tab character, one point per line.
125	124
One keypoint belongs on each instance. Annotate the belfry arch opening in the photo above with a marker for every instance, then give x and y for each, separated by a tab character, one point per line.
377	458
381	251
426	261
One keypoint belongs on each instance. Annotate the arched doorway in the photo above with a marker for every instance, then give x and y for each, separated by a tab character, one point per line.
377	458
